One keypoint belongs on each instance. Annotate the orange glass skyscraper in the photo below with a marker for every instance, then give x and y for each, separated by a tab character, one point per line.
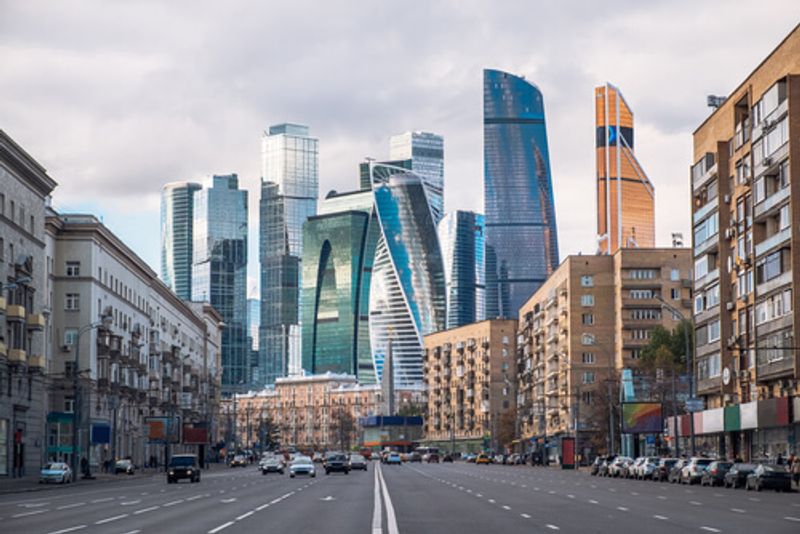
625	196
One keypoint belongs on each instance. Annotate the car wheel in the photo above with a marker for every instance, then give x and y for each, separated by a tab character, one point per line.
313	475
757	486
291	475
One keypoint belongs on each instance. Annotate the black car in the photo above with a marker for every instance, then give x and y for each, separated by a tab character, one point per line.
663	468
337	463
183	466
714	475
447	458
736	477
769	477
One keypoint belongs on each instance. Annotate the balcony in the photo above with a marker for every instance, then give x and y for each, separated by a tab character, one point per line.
3	350
37	362
17	356
703	171
2	305
775	283
35	321
15	314
773	241
701	214
708	244
769	204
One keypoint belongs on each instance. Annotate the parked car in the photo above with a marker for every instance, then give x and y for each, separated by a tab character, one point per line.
594	470
483	459
302	465
631	470
357	461
714	475
615	469
55	472
662	469
393	458
123	466
514	459
692	472
675	473
736	477
602	471
767	476
647	467
239	461
273	464
183	466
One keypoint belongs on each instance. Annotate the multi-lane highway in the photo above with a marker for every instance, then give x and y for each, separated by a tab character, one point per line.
413	498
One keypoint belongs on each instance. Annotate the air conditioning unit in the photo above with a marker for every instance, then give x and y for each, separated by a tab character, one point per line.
730	306
728	233
65	348
766	162
726	199
744	375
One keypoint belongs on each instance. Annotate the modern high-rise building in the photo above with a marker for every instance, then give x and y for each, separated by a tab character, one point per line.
253	321
521	238
177	221
407	295
289	192
625	195
338	252
461	238
424	152
219	271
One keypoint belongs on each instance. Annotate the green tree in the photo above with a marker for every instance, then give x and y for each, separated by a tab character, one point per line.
667	348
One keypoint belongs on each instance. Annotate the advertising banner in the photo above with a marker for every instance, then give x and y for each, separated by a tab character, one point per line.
101	433
159	430
195	434
567	453
642	418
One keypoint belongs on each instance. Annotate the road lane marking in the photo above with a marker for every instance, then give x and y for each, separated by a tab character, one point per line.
133	532
110	519
661	517
26	514
570	496
492	501
245	515
552	527
128	503
592	501
526	516
377	506
506	507
695	503
194	498
391	518
738	510
172	503
65	530
710	529
221	527
145	510
662	497
103	500
622	509
228	501
790	518
68	506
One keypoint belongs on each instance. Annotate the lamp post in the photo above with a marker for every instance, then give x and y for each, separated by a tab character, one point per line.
689	367
104	323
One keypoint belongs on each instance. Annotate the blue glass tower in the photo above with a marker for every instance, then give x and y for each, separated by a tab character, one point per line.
521	238
177	220
461	238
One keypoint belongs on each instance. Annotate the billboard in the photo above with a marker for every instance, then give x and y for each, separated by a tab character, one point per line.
161	429
195	434
641	418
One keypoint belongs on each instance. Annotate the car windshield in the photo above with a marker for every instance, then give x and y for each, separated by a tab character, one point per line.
181	461
773	469
356	458
301	460
703	462
744	467
54	466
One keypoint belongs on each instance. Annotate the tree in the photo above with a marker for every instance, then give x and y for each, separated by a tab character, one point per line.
506	428
268	433
343	429
662	358
603	412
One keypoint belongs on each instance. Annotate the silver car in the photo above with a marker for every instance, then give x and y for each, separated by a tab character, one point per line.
302	465
55	472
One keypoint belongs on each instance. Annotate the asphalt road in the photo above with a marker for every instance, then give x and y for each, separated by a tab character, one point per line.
412	498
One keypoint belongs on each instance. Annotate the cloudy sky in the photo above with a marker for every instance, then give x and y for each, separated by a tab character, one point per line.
116	98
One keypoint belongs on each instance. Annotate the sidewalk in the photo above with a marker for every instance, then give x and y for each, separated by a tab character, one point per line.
31	482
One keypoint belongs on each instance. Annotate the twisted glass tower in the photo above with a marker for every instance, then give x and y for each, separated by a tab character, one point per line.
177	219
407	293
521	238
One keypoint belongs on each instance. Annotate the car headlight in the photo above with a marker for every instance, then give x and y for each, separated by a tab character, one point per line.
188	471
172	472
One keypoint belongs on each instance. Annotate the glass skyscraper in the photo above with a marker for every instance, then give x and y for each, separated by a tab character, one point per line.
219	270
461	238
177	219
338	253
407	294
424	152
289	192
253	320
521	238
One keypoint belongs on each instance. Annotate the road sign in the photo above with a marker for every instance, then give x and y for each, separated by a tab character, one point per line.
694	405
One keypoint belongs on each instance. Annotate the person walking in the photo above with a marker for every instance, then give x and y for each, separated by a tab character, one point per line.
796	471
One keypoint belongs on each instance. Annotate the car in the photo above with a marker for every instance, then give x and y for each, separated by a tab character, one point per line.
631	469
483	459
337	463
357	461
272	464
470	458
318	458
647	468
415	457
433	458
692	472
514	459
403	457
55	472
447	459
615	468
594	470
238	461
302	465
767	476
376	456
393	458
714	475
499	459
662	469
736	477
603	470
123	466
674	475
183	466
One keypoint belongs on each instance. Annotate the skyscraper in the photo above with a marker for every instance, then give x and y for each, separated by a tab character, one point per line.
338	252
521	238
253	320
424	152
625	196
219	270
461	238
407	293
289	191
177	220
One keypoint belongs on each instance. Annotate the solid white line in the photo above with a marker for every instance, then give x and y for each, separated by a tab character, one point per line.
243	516
172	503
133	532
143	510
262	507
377	506
110	519
65	530
67	506
391	519
221	527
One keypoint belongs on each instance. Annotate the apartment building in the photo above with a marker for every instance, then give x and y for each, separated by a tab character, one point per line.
589	320
745	243
471	378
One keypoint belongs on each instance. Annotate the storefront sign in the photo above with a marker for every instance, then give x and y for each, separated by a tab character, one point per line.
773	412
749	415
714	420
797	409
698	422
732	418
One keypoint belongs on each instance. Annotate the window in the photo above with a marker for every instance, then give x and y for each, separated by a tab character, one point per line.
674	275
33	224
2	204
588	397
770	267
587	280
640	294
587	300
73	268
69	403
645	314
712	296
70	336
785	217
636	354
640	333
698	303
587	339
773	307
2	249
675	293
588	377
713	331
72	301
642	274
587	358
587	319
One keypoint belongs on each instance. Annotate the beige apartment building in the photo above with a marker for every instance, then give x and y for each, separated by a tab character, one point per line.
470	377
590	319
744	178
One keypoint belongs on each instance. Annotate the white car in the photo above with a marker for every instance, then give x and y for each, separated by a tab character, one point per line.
55	472
302	465
615	469
647	468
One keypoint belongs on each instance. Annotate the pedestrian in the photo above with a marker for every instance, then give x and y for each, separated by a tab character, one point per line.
779	461
796	471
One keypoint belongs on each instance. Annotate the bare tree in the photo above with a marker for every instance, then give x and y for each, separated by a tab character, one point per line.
343	428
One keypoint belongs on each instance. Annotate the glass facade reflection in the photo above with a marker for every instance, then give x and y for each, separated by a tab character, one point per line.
219	270
407	294
461	238
424	152
177	220
289	193
521	237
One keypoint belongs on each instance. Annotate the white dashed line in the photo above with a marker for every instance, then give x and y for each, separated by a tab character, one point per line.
738	510
103	500
592	501
110	519
26	514
221	527
68	506
492	501
145	510
622	509
526	516
790	518
552	527
506	507
695	503
710	529
172	503
65	530
661	517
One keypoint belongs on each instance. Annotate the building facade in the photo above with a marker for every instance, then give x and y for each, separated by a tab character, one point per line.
424	154
289	191
590	320
470	376
463	244
219	270
744	178
177	236
521	237
407	295
24	313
